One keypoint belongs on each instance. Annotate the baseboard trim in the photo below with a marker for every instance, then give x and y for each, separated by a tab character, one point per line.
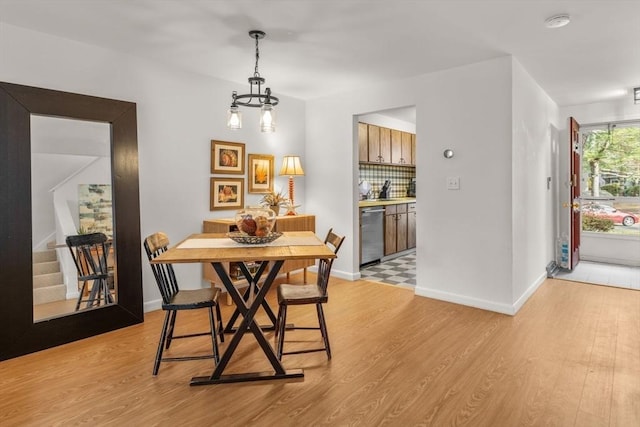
154	305
352	277
529	292
483	304
465	300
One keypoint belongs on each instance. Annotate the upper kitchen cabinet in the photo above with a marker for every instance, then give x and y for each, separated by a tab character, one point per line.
407	151
363	142
385	145
401	152
382	145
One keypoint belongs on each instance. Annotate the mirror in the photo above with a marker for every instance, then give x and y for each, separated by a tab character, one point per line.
70	194
20	334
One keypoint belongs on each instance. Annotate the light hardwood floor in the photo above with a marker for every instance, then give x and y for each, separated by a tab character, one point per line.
570	357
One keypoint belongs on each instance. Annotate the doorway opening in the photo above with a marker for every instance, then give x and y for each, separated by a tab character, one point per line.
609	205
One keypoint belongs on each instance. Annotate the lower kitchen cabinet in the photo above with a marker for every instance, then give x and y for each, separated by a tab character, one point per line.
399	228
411	225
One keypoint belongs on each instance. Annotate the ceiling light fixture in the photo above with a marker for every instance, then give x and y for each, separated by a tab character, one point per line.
557	21
636	95
265	101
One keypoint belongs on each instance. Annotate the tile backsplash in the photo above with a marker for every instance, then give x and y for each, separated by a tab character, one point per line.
400	177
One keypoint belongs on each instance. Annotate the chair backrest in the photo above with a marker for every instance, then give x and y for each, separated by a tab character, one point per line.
154	245
334	242
90	254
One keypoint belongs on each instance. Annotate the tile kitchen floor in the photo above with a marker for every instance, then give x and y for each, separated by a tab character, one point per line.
399	271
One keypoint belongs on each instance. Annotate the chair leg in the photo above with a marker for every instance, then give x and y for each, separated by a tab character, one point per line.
163	337
281	326
214	338
323	329
93	294
220	324
172	324
84	286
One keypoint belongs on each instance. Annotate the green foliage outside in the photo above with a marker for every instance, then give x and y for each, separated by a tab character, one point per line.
613	153
594	223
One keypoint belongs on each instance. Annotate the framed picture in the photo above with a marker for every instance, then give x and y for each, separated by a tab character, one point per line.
260	173
226	193
227	157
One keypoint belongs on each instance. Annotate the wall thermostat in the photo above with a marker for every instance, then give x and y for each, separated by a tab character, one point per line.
448	153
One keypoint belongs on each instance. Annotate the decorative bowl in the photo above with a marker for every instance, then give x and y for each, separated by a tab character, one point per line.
255	221
239	237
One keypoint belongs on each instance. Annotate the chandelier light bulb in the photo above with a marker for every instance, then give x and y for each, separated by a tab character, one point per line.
267	118
234	118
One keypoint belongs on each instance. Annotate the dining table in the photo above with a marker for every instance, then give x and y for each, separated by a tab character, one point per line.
220	250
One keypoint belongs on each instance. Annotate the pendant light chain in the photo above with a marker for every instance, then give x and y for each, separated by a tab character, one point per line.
256	73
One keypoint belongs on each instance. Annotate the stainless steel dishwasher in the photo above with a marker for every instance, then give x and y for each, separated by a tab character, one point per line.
371	234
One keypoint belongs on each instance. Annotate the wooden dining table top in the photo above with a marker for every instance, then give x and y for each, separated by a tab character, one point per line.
205	247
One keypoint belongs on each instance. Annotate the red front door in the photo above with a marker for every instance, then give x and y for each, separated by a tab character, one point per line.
574	155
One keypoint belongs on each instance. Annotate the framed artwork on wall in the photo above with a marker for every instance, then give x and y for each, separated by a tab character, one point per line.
95	209
226	193
260	173
227	157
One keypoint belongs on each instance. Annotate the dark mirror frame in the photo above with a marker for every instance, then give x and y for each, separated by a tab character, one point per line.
19	334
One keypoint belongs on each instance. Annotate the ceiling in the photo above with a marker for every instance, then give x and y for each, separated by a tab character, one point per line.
314	48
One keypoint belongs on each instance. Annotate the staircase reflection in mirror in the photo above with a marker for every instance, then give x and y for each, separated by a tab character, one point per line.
71	195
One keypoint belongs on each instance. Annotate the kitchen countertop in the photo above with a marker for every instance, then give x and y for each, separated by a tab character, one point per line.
385	202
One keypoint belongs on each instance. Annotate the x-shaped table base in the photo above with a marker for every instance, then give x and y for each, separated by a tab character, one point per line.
248	308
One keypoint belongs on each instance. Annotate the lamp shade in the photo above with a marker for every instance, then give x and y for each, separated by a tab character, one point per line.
291	166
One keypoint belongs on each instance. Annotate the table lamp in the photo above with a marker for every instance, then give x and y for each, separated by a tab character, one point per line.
291	166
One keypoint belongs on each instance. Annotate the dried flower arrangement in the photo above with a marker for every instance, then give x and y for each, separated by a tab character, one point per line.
274	199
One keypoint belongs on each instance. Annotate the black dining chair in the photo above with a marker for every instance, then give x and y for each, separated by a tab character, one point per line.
90	254
174	300
316	294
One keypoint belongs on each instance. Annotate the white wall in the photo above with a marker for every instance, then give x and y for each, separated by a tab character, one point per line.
381	120
535	178
465	246
597	247
178	114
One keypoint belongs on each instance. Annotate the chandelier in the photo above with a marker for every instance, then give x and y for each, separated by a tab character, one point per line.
255	98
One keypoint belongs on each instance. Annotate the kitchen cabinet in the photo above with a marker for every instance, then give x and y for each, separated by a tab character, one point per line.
374	144
401	151
396	229
390	228
407	155
379	144
283	223
411	225
396	146
385	145
399	228
413	149
363	142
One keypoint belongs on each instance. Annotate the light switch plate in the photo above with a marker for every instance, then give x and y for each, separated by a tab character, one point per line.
453	183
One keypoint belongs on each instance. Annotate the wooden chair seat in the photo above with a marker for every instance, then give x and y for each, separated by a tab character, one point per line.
301	294
193	299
